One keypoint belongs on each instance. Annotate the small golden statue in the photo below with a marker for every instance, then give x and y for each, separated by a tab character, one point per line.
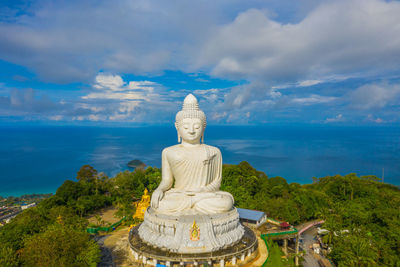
142	205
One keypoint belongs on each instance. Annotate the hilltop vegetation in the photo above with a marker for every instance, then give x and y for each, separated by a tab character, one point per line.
53	233
368	211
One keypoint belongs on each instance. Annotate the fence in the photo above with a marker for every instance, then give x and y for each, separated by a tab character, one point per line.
95	230
265	236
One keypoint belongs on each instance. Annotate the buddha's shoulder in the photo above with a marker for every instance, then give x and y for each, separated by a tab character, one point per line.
178	147
212	149
170	149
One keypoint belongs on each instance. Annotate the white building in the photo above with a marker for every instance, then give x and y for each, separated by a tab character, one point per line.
254	217
24	207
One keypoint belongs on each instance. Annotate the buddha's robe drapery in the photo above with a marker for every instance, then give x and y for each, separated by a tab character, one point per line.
197	174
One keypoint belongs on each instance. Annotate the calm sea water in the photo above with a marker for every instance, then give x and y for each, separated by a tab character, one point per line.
39	159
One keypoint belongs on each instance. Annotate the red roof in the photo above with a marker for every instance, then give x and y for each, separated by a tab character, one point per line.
284	224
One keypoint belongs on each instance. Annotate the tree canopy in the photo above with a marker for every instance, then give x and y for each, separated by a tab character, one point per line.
361	213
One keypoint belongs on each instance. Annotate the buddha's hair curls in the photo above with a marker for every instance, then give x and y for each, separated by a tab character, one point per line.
190	109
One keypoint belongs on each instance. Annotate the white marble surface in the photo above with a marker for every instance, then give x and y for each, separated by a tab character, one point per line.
191	171
189	194
173	233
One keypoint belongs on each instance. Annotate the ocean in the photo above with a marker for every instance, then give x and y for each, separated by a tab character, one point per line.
38	159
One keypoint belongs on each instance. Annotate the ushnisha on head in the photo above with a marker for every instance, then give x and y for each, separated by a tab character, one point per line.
190	122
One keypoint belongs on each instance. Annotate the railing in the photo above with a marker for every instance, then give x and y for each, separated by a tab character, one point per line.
266	244
265	236
95	230
310	225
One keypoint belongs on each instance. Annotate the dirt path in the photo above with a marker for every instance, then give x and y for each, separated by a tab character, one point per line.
106	255
107	215
116	247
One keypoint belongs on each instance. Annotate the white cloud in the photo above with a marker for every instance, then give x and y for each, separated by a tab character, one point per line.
338	118
206	91
78	118
115	99
93	117
251	42
307	83
359	36
375	96
274	94
56	117
113	95
218	116
142	85
112	82
370	117
313	99
113	87
72	40
128	107
201	80
212	95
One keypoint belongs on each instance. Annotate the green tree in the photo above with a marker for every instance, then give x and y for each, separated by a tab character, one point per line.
86	173
355	250
60	246
8	257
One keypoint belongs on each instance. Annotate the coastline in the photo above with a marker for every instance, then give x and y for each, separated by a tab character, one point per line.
19	193
37	162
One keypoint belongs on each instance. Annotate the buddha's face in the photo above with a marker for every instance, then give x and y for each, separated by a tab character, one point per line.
190	130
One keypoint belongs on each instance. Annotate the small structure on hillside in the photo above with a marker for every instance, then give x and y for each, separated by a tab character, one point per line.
27	206
278	230
252	217
285	226
142	205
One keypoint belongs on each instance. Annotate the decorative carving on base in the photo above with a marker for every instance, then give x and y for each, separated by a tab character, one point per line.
247	245
181	234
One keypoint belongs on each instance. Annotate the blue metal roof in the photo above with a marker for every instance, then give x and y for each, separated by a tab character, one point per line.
246	214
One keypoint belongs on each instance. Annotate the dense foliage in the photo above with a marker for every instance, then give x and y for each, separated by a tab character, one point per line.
276	256
361	213
54	232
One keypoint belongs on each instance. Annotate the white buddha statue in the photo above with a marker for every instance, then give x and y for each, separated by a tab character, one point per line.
188	213
191	171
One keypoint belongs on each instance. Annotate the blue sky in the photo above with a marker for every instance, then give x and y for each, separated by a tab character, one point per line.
248	62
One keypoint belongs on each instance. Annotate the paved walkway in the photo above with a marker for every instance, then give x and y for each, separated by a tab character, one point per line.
115	249
308	240
106	255
262	254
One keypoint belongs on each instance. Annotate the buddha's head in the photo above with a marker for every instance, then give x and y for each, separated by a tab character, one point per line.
190	122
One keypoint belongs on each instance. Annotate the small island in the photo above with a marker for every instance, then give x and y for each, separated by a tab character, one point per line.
136	164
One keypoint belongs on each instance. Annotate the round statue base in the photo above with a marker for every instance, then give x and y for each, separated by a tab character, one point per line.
148	254
191	233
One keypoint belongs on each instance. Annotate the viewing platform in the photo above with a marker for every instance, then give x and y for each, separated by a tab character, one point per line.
242	252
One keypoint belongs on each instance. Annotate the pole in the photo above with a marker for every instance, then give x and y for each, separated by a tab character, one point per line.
296	259
285	246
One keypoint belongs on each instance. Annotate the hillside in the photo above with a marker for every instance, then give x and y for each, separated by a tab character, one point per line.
365	207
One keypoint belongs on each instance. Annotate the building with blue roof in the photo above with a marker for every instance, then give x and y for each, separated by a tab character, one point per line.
253	217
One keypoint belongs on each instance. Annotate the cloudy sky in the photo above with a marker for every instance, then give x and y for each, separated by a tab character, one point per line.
249	62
